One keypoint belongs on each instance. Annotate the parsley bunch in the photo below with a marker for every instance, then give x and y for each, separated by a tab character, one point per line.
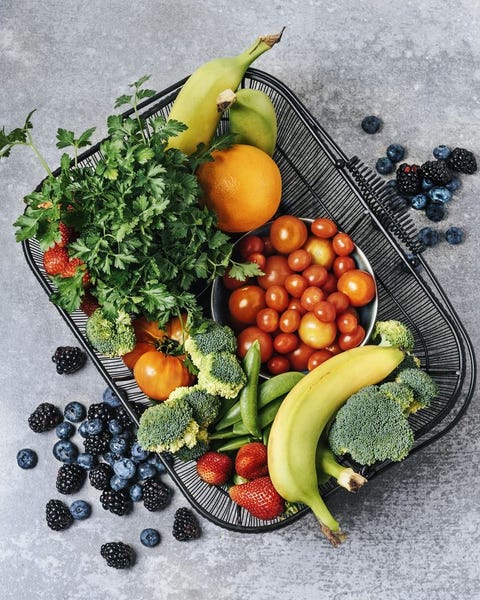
146	241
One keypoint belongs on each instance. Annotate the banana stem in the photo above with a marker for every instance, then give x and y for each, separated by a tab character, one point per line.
346	477
328	524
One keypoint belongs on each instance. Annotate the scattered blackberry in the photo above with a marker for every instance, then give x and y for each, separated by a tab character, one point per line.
117	502
185	525
70	479
45	417
436	171
156	495
97	444
69	359
100	410
100	476
58	515
409	178
462	161
118	555
121	415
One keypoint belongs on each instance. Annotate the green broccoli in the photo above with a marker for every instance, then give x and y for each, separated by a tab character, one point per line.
168	426
402	394
410	361
186	453
393	333
211	338
423	386
205	406
371	427
110	336
221	374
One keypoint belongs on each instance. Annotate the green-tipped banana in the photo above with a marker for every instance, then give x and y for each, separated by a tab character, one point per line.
328	466
304	414
252	118
196	107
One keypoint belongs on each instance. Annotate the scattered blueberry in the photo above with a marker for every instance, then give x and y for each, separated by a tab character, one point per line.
454	184
440	194
79	509
119	445
436	211
27	458
428	236
75	412
110	397
441	152
109	458
454	235
86	461
65	430
395	152
413	261
65	451
138	453
82	429
418	202
371	124
426	184
115	427
157	462
384	166
149	537
93	426
125	468
136	492
118	483
146	470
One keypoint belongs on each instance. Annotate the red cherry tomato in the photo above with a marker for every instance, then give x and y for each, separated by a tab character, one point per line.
325	311
250	244
283	343
299	357
231	283
311	296
278	364
346	322
298	260
268	249
317	358
358	285
289	321
323	227
276	297
258	258
346	341
275	271
267	320
288	233
295	285
334	348
295	304
342	264
330	284
246	338
339	300
315	275
343	244
245	302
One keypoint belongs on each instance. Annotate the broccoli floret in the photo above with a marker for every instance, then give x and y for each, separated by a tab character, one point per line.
423	386
222	375
196	451
371	427
393	333
402	394
110	336
205	406
168	426
212	338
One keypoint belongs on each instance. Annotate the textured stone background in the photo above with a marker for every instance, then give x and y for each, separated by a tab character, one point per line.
414	532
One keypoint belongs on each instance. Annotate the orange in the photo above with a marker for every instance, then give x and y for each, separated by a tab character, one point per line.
242	185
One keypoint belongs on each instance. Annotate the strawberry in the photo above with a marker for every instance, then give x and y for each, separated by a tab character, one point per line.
259	497
71	268
251	460
55	260
89	304
66	233
215	468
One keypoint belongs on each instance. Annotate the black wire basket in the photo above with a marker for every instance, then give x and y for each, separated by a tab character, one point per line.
319	180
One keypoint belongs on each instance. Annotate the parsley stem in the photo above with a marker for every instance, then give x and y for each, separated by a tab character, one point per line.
43	162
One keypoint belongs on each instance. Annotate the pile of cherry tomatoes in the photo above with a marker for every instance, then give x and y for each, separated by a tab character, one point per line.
303	309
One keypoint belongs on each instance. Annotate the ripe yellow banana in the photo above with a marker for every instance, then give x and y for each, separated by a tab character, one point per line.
252	117
195	105
306	411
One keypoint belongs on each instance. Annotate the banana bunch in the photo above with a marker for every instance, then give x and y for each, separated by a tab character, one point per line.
196	104
304	415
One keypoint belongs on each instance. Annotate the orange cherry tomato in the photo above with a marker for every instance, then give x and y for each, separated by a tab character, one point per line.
317	358
311	296
346	341
288	233
323	228
339	300
278	364
315	333
267	320
246	338
275	271
343	244
299	259
315	275
321	250
276	297
342	264
325	311
295	285
358	285
289	321
283	343
299	357
346	322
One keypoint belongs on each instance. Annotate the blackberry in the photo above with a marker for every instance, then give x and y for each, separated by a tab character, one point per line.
58	515
100	410
118	555
436	171
185	525
97	444
70	479
156	495
69	359
100	476
462	161
409	178
45	417
123	418
117	502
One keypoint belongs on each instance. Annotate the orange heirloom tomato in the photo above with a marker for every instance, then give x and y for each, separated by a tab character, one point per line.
158	374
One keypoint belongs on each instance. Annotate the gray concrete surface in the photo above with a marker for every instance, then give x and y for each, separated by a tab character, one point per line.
414	533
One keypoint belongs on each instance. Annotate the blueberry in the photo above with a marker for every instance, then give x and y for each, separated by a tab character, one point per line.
157	462
441	152
80	510
110	458
395	152
119	445
146	470
454	184
418	202
426	184
428	236
27	458
65	430
118	483
110	397
413	261
454	235
149	537
65	451
136	492
440	194
82	429
75	412
371	124
93	426
138	453
115	427
86	461
125	468
436	211
384	166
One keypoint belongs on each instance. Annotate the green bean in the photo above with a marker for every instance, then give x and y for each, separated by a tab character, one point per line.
248	394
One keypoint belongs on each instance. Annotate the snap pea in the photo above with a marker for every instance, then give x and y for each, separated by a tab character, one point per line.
266	434
276	386
231	416
265	416
235	443
223	435
248	394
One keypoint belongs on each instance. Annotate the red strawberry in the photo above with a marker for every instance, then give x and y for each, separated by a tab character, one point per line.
89	304
71	269
215	467
55	260
251	460
259	497
66	234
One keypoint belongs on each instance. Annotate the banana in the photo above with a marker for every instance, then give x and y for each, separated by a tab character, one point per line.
195	106
252	117
304	414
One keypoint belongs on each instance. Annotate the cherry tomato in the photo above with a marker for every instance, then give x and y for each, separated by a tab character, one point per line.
275	270
258	258
296	305
158	374
346	322
346	341
278	364
289	321
246	338
295	285
299	259
343	244
334	348
317	358
358	285
323	228
283	343
299	357
231	283
288	233
342	264
267	320
315	275
339	300
315	333
268	249
311	296
250	244
321	250
325	311
245	303
330	284
276	297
